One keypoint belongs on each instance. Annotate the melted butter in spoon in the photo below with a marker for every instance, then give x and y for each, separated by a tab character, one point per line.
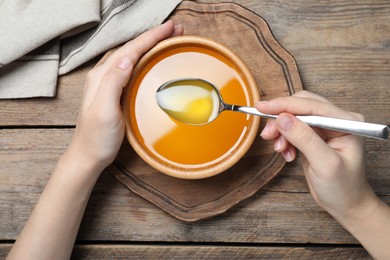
190	101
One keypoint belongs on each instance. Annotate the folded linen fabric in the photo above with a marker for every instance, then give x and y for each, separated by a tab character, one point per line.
42	39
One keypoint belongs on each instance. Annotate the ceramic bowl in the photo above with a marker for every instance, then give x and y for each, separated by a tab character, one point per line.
172	147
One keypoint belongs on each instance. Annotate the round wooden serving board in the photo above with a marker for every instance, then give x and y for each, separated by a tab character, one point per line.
276	74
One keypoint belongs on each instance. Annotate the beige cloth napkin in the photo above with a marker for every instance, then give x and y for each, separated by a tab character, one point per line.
41	39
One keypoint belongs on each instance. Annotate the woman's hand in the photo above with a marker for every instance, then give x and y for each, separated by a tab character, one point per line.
334	167
100	126
51	229
333	162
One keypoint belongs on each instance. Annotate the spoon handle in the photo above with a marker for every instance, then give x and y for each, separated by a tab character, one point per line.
348	126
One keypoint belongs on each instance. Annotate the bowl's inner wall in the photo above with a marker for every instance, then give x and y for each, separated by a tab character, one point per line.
173	142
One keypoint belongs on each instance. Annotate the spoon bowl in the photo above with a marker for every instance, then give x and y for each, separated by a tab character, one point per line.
190	100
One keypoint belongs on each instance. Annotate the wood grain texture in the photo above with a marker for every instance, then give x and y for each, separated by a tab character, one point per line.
216	252
283	213
209	252
342	49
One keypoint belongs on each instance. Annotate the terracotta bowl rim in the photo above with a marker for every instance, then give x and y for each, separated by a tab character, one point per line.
238	152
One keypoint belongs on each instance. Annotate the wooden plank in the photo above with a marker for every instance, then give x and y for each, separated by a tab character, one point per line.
22	149
208	252
284	213
216	252
61	110
341	47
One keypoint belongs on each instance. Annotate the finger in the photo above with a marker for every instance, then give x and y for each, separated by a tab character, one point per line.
290	153
281	144
303	106
270	131
307	94
178	30
136	48
111	85
304	138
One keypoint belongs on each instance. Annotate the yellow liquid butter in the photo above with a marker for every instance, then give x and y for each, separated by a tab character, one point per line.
181	144
189	101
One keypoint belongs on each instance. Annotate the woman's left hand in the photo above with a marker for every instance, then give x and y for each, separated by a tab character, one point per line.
100	126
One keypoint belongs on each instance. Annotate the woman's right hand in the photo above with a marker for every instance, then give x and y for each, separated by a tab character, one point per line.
334	167
333	162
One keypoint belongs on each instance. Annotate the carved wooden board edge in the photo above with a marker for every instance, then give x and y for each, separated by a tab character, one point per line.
213	208
199	212
263	33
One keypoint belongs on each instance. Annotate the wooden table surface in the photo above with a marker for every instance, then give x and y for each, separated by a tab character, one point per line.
342	49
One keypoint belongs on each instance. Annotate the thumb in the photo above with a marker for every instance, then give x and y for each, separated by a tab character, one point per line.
304	138
113	81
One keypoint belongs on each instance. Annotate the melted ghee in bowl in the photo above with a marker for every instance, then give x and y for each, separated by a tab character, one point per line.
176	143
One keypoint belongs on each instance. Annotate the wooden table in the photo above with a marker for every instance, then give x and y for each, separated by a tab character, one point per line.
342	49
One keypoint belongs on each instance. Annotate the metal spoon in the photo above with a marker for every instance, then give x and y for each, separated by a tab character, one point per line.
175	96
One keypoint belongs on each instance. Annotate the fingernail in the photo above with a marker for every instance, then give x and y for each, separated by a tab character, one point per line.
278	144
285	122
288	156
169	21
260	103
124	63
265	130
